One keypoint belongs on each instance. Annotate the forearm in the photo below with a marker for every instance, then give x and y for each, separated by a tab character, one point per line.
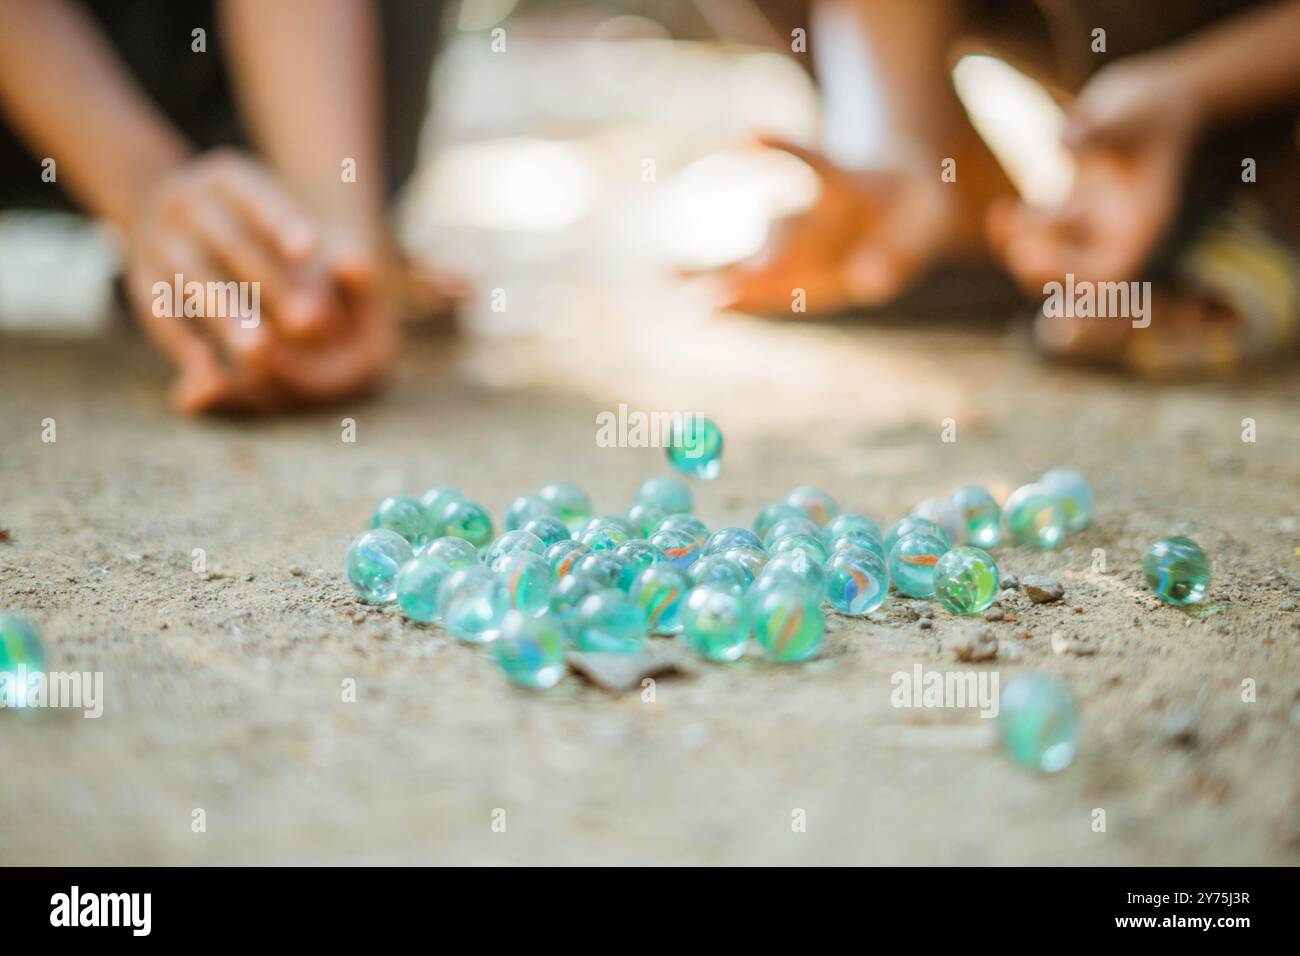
1246	64
71	99
306	73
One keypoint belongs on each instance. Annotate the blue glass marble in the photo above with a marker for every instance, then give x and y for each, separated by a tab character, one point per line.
530	649
914	524
911	563
678	547
407	517
659	591
981	515
609	569
856	581
550	529
846	522
790	544
817	504
669	495
798	568
645	518
417	587
473	601
568	592
512	542
1038	723
1034	517
748	558
692	525
372	563
457	552
1177	571
695	446
726	538
966	580
468	520
715	623
718	571
792	524
605	533
771	514
436	499
787	621
858	539
528	579
609	621
568	502
640	554
524	509
563	556
22	655
945	514
1074	493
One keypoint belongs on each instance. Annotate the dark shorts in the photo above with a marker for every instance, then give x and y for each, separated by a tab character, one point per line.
153	38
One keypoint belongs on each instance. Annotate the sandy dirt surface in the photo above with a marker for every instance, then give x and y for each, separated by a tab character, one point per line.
223	690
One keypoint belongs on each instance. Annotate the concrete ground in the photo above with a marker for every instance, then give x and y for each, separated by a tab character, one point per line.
223	689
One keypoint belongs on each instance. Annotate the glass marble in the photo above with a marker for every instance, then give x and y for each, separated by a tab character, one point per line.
524	509
715	623
609	569
528	579
568	502
372	563
726	538
512	542
966	580
645	518
787	621
605	533
771	514
792	524
610	621
848	521
1074	493
530	649
407	517
980	514
945	514
21	655
468	520
678	547
858	539
659	591
695	446
809	544
563	556
457	552
717	571
417	587
1038	723
817	504
568	592
799	568
692	525
1177	570
856	581
1034	517
748	558
913	524
436	499
474	601
549	528
639	553
669	495
912	561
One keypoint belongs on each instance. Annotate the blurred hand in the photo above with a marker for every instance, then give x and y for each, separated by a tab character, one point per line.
867	237
324	330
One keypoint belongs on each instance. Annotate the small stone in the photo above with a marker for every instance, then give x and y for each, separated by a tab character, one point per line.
1042	590
1010	581
1077	644
296	571
1286	606
994	614
1007	595
249	576
924	610
973	644
1180	728
925	624
622	672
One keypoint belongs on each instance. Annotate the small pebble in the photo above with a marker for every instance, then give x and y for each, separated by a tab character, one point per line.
1010	581
973	644
995	614
926	624
1077	644
1286	606
1043	590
